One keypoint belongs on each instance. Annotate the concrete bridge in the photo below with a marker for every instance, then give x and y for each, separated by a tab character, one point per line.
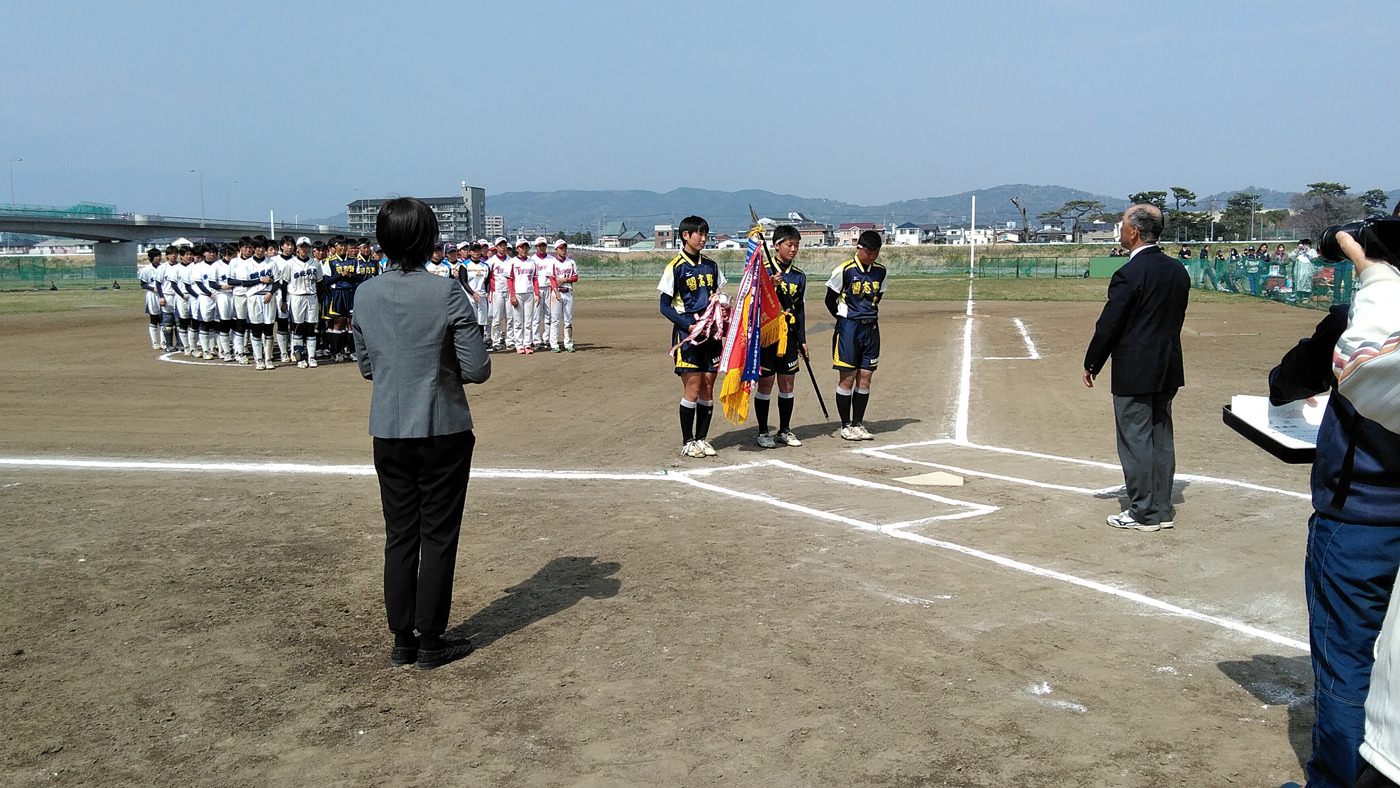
119	233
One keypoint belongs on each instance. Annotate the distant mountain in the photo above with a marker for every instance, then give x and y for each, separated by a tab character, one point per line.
729	211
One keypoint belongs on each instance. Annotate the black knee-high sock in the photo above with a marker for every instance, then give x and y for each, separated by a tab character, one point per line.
703	411
687	421
760	409
858	403
843	407
784	412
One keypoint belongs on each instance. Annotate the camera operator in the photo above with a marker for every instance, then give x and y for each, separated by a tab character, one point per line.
1353	547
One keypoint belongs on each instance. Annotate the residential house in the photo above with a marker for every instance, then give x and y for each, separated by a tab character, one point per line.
907	234
847	233
665	236
611	235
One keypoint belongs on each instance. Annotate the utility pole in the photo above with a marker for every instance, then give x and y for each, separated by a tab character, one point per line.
201	195
12	181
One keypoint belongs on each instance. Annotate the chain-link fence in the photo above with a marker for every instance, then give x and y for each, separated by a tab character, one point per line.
43	269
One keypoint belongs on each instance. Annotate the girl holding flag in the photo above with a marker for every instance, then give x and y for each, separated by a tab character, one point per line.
690	299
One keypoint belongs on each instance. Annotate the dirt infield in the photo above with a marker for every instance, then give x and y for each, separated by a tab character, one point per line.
643	619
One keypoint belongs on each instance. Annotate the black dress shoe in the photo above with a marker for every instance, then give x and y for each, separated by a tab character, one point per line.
450	652
403	655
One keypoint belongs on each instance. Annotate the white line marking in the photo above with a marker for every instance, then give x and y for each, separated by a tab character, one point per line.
965	376
1190	477
167	357
968	472
1031	352
1104	588
897	530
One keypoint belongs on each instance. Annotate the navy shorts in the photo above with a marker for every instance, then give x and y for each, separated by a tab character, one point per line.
703	357
770	363
855	344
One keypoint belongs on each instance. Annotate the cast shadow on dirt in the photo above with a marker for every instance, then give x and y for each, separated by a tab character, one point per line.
743	438
1280	681
1120	494
558	585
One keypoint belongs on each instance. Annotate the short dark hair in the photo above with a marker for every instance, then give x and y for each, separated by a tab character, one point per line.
693	224
785	232
407	229
245	241
287	239
1148	222
153	253
870	241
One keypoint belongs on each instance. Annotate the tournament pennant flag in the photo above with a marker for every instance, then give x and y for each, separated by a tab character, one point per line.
756	322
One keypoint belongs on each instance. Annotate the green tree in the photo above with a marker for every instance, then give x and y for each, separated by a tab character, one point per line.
1323	205
1074	211
1375	201
1238	216
1158	199
1183	196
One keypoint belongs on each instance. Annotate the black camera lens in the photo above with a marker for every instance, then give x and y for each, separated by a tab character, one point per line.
1328	247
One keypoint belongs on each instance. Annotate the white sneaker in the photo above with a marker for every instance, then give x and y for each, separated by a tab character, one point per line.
208	356
864	433
707	448
1126	520
242	361
766	441
311	362
693	449
259	365
301	365
788	439
157	347
269	365
851	434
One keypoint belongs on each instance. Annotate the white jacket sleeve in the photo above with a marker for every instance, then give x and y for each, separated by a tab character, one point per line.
1366	359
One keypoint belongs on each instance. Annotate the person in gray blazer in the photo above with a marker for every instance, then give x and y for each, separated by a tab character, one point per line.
1140	329
417	339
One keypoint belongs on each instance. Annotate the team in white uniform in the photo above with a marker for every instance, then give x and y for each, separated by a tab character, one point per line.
235	306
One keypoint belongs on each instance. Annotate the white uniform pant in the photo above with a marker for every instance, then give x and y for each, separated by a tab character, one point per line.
208	312
240	305
184	306
481	307
524	315
562	320
544	318
152	303
500	309
304	309
223	299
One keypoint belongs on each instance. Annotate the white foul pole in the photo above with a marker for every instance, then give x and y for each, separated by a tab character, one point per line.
972	241
272	223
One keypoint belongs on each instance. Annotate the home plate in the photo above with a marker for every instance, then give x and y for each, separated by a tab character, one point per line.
935	479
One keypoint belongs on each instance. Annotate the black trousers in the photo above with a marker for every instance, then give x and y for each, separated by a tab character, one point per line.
422	486
1148	453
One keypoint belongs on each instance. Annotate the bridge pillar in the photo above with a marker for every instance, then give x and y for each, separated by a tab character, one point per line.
121	254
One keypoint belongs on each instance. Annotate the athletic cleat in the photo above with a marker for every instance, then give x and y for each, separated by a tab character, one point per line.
693	449
259	365
706	447
208	356
569	349
157	347
269	365
864	433
353	357
555	350
766	441
301	365
788	439
311	362
851	434
242	361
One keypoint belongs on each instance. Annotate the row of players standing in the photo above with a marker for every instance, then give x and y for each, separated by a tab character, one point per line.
236	301
524	300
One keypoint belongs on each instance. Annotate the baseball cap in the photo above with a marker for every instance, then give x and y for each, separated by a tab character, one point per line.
500	239
522	242
540	239
560	242
303	241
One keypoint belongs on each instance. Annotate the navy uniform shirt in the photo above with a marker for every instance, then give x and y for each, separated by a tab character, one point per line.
690	283
858	289
792	294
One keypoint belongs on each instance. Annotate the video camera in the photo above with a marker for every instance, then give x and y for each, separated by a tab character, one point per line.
1379	236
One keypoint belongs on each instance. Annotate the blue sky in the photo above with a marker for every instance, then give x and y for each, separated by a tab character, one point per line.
310	105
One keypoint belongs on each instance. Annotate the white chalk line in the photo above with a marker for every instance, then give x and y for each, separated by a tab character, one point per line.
191	362
969	472
1032	354
896	530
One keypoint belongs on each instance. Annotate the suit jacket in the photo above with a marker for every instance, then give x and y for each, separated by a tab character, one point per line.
417	338
1140	326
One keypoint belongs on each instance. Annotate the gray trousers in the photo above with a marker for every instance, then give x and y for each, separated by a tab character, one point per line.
1145	448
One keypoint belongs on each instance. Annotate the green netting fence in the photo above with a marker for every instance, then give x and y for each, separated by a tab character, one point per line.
41	269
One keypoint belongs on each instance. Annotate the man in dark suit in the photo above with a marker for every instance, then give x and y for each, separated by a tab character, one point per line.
1140	328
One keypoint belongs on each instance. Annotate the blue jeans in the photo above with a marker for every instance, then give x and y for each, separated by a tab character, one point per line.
1350	571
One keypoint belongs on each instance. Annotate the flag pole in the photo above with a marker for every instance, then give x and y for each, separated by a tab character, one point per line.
805	357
